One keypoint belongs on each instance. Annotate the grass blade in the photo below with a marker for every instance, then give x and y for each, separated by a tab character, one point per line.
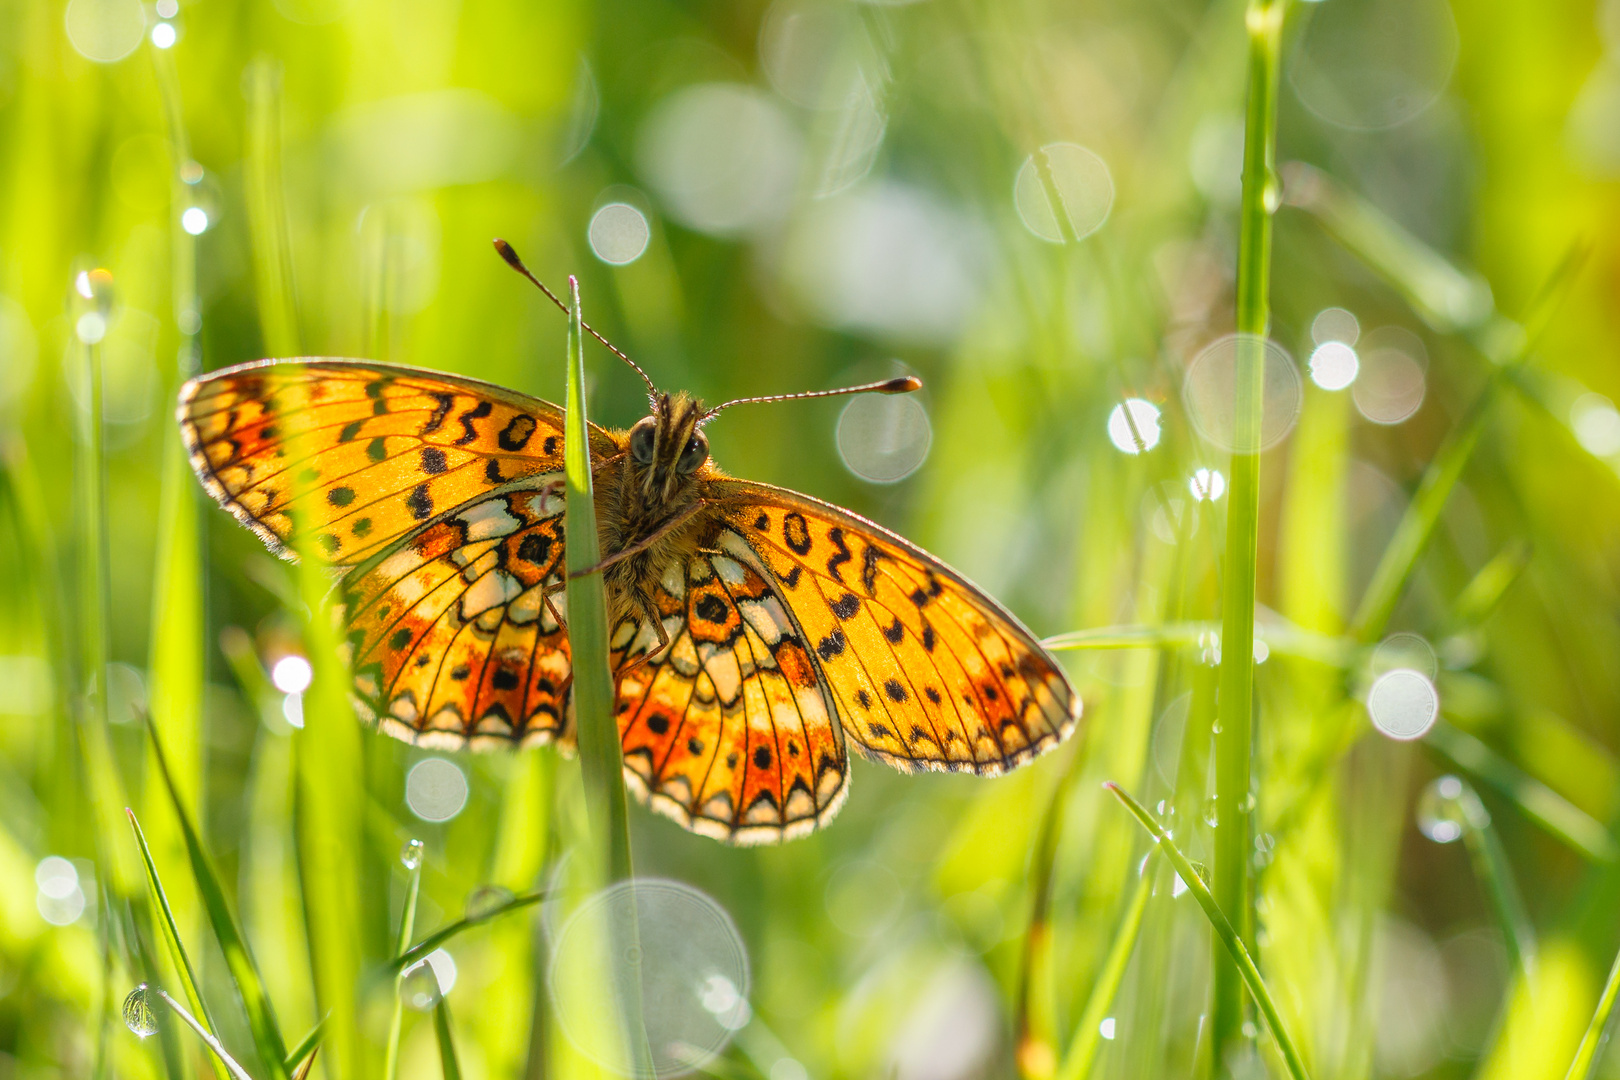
231	1066
1224	930
416	952
171	935
447	1044
407	927
1082	1052
261	1017
1586	1054
1234	738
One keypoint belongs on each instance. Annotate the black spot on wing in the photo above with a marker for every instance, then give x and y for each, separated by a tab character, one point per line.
831	645
420	502
441	408
845	606
835	562
516	434
477	412
796	533
433	460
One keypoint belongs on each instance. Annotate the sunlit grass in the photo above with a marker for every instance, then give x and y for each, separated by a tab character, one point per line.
354	161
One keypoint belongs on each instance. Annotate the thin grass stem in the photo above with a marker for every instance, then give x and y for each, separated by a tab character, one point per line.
1494	871
1087	1039
1586	1054
1224	930
171	935
407	927
300	1056
448	1062
416	952
244	972
232	1067
1234	735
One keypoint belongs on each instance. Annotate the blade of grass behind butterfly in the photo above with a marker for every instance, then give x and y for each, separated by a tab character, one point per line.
1087	1038
402	941
1234	738
1225	932
171	937
177	655
449	1065
244	973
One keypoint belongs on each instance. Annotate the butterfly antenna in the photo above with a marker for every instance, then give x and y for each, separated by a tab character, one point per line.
903	384
516	263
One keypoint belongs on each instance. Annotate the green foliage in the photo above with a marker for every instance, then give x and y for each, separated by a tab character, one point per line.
894	211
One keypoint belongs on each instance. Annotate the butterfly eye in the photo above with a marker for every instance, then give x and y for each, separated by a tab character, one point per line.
694	453
641	441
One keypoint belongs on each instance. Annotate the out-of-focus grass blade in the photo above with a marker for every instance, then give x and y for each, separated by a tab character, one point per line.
1481	595
1082	1052
261	1017
1586	1054
301	1058
229	1064
416	952
1445	297
447	1045
1223	930
171	935
1539	802
1283	640
407	926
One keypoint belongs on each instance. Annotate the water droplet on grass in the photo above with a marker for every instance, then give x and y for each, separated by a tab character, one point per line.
419	987
1448	808
138	1014
486	900
411	854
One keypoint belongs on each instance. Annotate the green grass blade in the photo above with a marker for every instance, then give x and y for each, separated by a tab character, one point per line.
407	927
599	753
1538	802
1494	871
416	952
1234	740
299	1055
447	1045
221	1056
1082	1052
171	936
1224	930
1586	1054
261	1017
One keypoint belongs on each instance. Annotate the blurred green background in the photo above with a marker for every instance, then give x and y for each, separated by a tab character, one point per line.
1033	206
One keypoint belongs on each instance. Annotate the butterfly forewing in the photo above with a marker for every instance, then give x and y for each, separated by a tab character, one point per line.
926	671
351	457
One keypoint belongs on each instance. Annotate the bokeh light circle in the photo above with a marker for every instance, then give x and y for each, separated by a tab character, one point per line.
1393	380
1335	324
1596	424
619	234
1403	704
1073	197
1373	64
105	31
436	789
884	437
1133	426
1210	392
722	156
690	964
1333	365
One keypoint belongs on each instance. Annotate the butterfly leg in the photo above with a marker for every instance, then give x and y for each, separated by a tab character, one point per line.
649	611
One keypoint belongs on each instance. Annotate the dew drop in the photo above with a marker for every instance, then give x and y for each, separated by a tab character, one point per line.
138	1014
419	987
1212	815
411	854
486	900
1447	809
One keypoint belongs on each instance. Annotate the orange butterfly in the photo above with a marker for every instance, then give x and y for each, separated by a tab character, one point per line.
755	629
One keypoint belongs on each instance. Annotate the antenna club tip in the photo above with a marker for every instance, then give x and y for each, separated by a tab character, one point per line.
508	254
905	384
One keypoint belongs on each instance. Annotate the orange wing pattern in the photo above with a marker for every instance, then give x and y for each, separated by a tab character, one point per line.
727	730
459	636
353	456
926	671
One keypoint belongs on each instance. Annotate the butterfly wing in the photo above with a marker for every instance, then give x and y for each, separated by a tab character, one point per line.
924	670
358	455
441	497
728	730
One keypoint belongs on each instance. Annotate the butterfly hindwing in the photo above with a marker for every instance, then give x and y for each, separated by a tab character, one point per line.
926	671
353	456
458	636
727	730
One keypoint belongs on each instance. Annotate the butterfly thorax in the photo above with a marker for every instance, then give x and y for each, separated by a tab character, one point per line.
653	490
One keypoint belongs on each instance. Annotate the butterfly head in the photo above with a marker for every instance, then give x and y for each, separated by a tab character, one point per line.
666	448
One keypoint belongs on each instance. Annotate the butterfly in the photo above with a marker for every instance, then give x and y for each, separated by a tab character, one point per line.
756	633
